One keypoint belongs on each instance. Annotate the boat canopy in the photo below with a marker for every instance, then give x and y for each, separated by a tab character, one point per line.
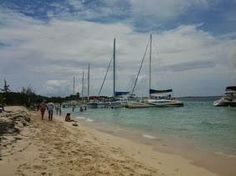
230	88
121	93
153	91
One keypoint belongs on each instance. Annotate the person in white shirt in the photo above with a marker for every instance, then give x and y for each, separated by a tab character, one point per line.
50	108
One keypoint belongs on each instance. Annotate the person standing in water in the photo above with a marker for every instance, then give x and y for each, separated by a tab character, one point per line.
60	109
50	108
42	109
73	108
57	108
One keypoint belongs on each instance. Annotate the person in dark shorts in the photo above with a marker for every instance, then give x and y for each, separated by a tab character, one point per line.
50	108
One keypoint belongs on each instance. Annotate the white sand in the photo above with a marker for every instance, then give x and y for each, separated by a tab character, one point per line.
58	148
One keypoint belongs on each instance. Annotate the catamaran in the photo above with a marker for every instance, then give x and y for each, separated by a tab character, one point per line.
114	102
157	98
229	99
163	98
160	98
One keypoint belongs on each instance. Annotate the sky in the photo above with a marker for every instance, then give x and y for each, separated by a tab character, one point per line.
43	44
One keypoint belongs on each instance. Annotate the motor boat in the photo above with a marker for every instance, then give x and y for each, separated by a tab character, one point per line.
229	99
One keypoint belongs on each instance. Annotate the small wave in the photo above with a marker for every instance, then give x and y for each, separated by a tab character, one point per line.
213	124
89	120
226	155
207	123
81	118
149	136
182	129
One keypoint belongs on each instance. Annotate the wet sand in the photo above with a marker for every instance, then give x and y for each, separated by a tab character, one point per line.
59	148
219	163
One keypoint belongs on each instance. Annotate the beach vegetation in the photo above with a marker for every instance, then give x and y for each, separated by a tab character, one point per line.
27	97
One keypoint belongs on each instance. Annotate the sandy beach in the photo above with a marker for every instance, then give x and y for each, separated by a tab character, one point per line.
59	148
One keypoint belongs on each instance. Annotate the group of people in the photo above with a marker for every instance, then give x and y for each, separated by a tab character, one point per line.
50	108
46	106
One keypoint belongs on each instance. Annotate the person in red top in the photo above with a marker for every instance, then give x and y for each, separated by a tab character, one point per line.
42	109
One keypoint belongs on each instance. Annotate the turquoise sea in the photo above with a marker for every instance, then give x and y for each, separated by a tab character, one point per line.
198	122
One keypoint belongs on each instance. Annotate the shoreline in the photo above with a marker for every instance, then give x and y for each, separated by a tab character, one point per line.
220	163
58	148
211	129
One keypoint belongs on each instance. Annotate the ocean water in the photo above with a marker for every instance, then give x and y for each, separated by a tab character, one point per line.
198	122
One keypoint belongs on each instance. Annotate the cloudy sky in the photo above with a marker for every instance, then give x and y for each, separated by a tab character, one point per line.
43	44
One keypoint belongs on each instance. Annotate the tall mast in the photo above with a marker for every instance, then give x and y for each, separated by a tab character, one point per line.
73	85
114	67
88	79
150	65
82	92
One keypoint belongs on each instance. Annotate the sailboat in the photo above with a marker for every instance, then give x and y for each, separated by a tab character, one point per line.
89	104
114	102
157	98
163	98
160	98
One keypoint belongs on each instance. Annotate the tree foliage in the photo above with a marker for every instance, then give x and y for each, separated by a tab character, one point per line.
27	97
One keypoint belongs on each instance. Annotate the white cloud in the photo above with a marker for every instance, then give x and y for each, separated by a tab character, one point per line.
168	9
57	87
158	9
50	53
56	83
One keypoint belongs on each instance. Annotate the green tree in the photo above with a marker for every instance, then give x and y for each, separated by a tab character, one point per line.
2	99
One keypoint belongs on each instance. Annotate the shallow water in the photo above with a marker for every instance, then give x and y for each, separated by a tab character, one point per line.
198	122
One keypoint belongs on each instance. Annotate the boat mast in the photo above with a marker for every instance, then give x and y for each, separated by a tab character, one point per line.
82	92
114	67
73	85
150	63
104	79
88	80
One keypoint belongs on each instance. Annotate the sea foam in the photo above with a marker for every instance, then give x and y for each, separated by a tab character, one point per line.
149	136
89	120
81	118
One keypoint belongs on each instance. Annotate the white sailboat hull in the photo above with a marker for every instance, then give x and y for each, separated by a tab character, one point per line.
136	105
165	103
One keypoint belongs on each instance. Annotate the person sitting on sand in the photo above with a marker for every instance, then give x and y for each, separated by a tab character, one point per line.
68	119
42	108
50	108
